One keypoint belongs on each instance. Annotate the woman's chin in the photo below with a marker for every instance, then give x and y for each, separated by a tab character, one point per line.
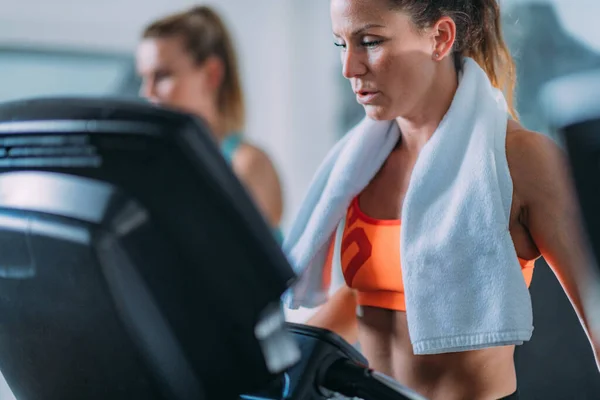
378	113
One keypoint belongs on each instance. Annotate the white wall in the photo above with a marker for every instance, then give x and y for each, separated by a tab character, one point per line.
287	59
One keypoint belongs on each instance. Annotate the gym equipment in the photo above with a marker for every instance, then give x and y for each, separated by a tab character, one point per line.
128	252
330	366
134	265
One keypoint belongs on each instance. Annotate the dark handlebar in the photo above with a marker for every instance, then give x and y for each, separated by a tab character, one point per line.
353	380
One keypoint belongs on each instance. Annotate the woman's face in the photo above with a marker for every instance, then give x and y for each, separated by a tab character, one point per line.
170	77
386	58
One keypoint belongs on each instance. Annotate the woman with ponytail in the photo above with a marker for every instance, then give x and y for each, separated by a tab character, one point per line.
187	61
448	201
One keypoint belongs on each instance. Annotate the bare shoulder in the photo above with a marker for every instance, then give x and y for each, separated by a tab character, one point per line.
250	159
256	171
524	146
537	164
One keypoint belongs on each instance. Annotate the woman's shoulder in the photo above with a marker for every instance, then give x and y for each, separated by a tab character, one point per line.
255	169
242	153
251	157
525	147
518	137
535	161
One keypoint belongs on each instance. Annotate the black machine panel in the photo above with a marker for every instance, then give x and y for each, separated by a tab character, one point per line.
134	263
135	266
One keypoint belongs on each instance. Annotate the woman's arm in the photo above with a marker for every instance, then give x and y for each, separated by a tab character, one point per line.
339	315
541	176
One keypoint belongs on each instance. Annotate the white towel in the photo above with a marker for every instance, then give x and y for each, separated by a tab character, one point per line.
464	288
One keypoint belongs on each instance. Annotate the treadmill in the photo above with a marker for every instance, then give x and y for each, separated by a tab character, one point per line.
135	266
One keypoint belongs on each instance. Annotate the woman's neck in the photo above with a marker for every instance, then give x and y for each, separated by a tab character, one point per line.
216	126
417	127
219	132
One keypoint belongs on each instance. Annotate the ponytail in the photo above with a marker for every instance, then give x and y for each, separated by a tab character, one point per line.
485	44
478	35
204	34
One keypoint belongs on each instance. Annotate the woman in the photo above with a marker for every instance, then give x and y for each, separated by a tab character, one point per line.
407	61
187	61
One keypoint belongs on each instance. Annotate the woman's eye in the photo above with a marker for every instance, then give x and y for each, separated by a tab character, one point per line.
160	75
371	43
365	43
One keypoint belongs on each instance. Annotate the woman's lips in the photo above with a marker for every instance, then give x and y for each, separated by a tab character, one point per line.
367	97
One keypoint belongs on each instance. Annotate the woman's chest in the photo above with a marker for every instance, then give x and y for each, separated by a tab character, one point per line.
384	196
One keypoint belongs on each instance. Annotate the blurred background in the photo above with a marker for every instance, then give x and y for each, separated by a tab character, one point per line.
298	104
289	66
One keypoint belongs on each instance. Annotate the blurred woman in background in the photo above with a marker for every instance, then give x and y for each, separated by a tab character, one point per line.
187	61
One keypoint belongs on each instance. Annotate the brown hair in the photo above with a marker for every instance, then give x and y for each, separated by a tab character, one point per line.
205	35
478	35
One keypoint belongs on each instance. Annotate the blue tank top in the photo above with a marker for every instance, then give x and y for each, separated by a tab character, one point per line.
229	146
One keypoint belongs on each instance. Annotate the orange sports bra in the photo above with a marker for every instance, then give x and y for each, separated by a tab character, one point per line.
371	260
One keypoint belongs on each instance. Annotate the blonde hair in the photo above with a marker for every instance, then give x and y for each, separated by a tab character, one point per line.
205	35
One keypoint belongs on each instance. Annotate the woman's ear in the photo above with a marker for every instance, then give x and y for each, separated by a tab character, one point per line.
215	70
444	35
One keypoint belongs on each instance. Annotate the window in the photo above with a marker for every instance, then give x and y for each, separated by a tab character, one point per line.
548	40
43	73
